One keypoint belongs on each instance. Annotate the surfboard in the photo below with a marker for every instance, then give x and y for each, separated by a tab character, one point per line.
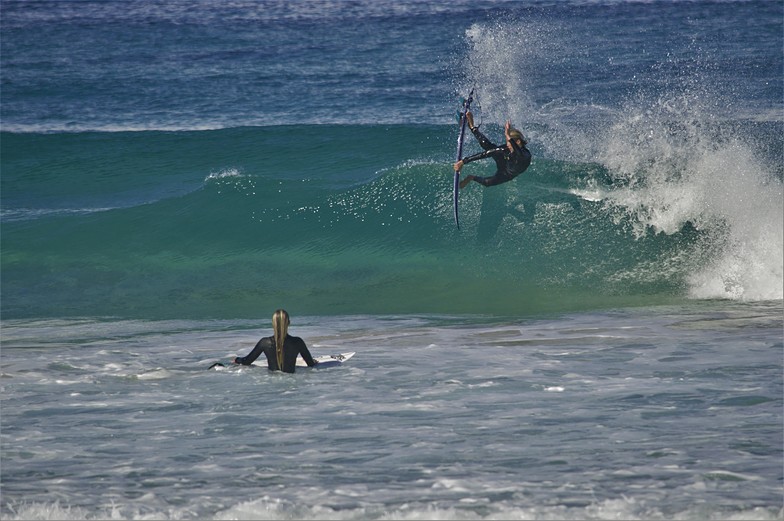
460	138
327	360
323	361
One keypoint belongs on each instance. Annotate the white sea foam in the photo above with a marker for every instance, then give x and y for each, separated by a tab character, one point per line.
678	169
492	421
226	173
270	509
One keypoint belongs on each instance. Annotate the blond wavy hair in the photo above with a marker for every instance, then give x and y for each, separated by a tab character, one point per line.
280	328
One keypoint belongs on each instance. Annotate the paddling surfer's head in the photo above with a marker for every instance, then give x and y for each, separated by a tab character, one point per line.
280	327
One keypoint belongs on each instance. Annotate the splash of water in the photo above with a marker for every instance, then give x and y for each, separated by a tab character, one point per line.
671	154
681	165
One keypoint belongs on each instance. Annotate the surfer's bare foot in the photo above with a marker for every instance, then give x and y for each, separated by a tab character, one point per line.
465	181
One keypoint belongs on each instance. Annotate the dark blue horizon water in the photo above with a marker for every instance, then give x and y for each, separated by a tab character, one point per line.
185	65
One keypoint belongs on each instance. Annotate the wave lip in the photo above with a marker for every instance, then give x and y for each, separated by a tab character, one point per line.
26	214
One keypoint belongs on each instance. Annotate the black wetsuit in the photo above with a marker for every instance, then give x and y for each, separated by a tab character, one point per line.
292	346
510	164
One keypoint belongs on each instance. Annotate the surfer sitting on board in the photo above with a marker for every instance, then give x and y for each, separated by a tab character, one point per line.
511	160
281	349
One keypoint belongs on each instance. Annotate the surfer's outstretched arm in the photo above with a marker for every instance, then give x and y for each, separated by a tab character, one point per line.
485	143
253	355
481	155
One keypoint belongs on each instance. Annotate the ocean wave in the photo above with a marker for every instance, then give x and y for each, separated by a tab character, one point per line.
367	231
113	127
25	214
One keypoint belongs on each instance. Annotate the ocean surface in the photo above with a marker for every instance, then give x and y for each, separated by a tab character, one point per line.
603	338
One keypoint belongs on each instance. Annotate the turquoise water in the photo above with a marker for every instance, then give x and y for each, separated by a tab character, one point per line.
257	230
224	223
601	339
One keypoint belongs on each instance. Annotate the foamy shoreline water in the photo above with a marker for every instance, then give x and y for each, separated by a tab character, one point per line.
638	413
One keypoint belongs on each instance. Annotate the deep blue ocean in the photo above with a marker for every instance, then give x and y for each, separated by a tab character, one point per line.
602	338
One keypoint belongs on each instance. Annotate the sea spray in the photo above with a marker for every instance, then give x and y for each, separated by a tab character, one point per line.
671	159
678	163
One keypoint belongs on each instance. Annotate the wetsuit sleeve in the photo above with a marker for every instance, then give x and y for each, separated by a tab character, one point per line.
253	355
482	155
303	350
490	148
485	143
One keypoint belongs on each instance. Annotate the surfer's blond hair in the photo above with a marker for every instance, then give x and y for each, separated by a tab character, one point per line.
516	134
280	328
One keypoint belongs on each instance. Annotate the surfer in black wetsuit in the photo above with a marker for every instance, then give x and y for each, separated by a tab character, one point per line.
511	160
286	357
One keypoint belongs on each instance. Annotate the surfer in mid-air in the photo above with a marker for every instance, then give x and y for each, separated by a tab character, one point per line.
511	160
281	349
